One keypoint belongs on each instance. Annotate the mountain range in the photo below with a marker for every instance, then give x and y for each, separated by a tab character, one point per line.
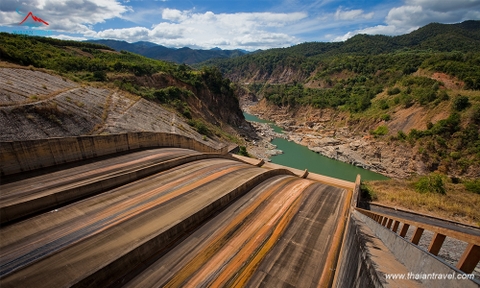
183	55
463	37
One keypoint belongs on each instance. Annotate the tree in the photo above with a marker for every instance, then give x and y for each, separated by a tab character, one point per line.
460	103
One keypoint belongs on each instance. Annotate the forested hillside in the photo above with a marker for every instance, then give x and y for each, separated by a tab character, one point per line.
372	79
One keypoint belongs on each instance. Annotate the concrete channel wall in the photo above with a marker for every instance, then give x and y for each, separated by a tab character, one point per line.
22	156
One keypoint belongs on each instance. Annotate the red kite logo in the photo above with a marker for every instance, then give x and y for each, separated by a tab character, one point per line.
36	20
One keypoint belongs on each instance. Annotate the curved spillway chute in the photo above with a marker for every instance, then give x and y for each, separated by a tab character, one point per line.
210	219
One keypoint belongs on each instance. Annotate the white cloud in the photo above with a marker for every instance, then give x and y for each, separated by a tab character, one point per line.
174	15
68	37
168	31
352	14
71	16
137	33
417	13
208	30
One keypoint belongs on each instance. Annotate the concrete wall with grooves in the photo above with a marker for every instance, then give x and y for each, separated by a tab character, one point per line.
22	156
133	259
50	201
355	268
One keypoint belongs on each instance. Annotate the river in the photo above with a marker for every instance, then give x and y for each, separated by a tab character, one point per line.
300	157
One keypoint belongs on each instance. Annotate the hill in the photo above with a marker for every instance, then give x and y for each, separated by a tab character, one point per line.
303	59
181	56
398	105
51	87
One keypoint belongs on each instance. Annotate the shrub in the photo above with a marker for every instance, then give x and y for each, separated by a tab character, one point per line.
383	104
393	91
385	117
455	155
443	96
473	186
406	100
243	151
380	131
432	183
99	75
367	193
401	135
447	126
475	114
460	103
199	126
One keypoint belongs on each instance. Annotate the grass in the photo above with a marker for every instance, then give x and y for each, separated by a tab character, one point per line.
457	204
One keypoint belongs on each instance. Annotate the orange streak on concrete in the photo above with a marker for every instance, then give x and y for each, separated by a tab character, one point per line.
220	238
124	205
328	272
240	249
244	275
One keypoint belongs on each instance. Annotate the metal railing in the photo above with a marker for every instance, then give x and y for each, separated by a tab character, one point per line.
469	258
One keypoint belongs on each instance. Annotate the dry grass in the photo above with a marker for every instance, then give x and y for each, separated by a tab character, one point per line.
457	205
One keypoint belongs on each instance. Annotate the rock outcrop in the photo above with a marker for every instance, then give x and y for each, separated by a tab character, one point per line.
327	132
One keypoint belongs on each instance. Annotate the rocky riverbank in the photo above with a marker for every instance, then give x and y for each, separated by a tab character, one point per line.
261	147
321	133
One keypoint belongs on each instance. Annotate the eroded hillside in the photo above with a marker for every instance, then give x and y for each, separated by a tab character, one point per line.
35	104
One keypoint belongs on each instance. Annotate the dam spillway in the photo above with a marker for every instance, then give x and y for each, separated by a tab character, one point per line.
171	217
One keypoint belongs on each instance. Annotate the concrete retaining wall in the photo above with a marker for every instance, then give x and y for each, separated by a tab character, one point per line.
22	156
162	242
356	268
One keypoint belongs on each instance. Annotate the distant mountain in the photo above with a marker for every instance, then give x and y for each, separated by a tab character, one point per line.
183	55
299	61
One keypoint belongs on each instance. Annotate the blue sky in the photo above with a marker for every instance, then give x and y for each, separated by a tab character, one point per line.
246	24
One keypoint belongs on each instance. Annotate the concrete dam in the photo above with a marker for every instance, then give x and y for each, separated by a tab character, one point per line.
163	210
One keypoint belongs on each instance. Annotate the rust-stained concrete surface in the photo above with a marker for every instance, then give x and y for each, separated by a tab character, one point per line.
207	222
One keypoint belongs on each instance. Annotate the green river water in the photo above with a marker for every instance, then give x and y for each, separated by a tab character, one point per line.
300	157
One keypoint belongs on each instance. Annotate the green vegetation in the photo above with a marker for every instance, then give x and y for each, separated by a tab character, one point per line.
94	62
432	183
351	73
243	151
473	186
460	103
367	193
374	77
448	144
200	126
380	131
